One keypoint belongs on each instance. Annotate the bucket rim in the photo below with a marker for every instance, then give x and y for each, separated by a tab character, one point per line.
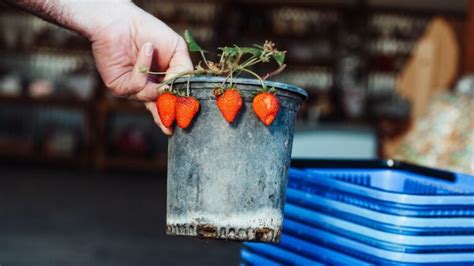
245	81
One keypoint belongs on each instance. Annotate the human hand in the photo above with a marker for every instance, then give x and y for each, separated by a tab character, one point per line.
124	40
138	40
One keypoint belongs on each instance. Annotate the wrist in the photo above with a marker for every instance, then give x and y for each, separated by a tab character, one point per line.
84	17
87	18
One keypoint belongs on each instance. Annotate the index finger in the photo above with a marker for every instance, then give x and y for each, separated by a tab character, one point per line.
180	62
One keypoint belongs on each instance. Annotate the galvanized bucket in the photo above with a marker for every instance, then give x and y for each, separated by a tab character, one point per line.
228	181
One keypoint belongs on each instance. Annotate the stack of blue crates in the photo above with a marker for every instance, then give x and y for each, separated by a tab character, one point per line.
365	216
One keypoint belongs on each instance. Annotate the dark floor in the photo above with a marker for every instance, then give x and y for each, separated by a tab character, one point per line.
60	217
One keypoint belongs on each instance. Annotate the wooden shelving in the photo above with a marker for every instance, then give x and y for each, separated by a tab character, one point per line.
68	103
80	160
124	106
47	50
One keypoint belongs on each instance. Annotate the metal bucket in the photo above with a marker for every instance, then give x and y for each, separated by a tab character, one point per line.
228	181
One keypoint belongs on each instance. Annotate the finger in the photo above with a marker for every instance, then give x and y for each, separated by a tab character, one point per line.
180	61
152	108
149	93
138	79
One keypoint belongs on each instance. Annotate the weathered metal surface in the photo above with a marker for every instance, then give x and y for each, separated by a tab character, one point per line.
228	181
263	234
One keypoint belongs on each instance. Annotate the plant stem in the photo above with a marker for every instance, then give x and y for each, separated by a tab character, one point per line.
238	74
276	71
237	59
187	86
204	58
172	84
225	80
157	73
255	75
168	81
221	61
251	62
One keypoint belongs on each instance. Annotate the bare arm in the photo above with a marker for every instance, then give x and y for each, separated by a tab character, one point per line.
81	16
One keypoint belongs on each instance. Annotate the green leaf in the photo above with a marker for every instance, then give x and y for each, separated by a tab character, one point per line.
279	57
229	51
192	44
235	51
251	50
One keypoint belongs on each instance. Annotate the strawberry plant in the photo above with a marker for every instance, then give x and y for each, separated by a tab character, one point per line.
233	62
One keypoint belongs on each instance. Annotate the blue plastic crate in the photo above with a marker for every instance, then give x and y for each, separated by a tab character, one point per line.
279	255
395	191
378	238
250	258
382	221
386	213
370	253
305	245
303	251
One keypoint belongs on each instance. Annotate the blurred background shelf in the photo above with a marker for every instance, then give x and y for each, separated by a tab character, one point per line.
48	101
23	152
152	165
122	105
347	54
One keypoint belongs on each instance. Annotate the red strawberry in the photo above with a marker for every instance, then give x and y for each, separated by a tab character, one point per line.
165	103
229	103
186	109
266	106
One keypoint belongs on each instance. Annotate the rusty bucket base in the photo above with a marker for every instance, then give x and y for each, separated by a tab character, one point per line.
258	234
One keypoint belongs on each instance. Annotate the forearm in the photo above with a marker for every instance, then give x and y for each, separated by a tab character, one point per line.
82	16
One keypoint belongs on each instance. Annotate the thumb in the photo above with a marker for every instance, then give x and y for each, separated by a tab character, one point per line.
180	62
